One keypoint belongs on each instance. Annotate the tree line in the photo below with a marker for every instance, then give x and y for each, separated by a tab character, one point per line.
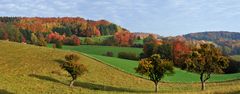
65	30
158	60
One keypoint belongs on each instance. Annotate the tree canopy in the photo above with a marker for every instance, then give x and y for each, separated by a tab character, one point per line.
205	60
155	68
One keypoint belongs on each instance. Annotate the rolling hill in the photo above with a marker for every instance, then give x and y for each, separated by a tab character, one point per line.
128	65
27	69
213	35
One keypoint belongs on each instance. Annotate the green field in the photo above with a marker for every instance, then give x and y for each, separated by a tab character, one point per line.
129	65
179	76
99	39
100	50
138	41
28	69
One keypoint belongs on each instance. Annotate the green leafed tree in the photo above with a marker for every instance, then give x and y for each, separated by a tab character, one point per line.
73	67
88	41
155	68
205	60
165	50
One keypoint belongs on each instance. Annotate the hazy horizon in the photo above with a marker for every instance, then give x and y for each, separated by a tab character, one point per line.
163	17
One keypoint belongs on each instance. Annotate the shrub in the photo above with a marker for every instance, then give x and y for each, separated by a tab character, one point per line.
54	46
128	55
234	66
108	53
76	40
58	44
137	45
72	57
42	42
73	40
88	41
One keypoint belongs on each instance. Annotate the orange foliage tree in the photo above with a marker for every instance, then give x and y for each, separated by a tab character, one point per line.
180	47
123	38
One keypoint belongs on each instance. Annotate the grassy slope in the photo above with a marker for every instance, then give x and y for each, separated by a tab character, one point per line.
27	69
128	65
179	76
236	57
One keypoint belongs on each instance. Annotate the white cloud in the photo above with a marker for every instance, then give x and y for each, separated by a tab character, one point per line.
136	15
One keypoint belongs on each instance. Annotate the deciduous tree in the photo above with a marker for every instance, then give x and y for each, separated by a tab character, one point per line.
123	38
205	60
155	68
73	67
150	39
179	47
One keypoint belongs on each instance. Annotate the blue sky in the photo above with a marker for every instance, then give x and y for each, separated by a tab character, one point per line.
164	17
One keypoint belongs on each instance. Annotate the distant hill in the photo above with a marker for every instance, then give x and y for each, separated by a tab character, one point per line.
143	35
229	42
213	35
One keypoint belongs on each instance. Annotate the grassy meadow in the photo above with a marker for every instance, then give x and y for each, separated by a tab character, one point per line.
100	50
99	39
28	69
138	41
129	65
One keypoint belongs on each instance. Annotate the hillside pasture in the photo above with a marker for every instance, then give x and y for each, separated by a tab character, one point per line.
100	50
129	65
27	69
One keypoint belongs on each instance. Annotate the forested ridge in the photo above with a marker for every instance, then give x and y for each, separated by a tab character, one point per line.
64	25
213	35
60	30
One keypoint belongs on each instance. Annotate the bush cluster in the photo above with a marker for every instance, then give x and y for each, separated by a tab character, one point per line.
128	55
108	53
234	66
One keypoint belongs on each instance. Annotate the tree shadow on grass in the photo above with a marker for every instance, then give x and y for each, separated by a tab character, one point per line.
47	78
90	86
2	91
235	92
93	86
59	61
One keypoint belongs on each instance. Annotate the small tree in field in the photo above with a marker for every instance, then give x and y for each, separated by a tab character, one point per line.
58	44
73	67
205	60
154	67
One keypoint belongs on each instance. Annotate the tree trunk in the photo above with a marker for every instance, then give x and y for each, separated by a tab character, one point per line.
71	83
203	85
202	81
156	86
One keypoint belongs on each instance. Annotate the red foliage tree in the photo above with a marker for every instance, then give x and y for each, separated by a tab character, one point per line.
76	40
92	31
180	47
73	40
53	37
123	38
